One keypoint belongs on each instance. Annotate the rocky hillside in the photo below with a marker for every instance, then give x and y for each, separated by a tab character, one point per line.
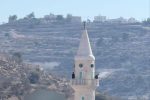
17	80
121	51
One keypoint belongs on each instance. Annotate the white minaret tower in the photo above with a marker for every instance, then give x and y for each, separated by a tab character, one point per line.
84	81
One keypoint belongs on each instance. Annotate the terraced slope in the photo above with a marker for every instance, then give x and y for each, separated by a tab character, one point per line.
122	51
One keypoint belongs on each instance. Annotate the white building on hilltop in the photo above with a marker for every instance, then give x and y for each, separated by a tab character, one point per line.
100	18
84	81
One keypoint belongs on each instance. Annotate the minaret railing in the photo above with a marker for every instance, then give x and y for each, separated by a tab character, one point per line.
85	82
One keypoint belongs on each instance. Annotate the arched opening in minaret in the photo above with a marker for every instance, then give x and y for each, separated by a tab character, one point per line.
82	98
81	75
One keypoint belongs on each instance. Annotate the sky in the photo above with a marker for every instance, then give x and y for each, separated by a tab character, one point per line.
139	9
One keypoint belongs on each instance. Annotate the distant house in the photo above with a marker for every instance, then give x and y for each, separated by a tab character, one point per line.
118	20
100	18
75	19
132	20
49	18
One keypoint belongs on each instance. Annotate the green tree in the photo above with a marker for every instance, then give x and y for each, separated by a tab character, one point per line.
147	21
59	17
31	15
17	57
12	18
34	77
69	17
6	34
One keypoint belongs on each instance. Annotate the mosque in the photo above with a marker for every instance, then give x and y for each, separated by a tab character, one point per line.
84	81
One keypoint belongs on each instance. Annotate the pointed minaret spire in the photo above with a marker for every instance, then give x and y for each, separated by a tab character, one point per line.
84	50
84	81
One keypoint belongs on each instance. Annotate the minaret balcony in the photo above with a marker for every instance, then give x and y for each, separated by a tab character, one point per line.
85	82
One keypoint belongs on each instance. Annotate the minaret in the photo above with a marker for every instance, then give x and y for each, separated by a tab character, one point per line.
84	81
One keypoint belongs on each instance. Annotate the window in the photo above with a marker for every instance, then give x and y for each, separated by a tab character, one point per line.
80	65
92	65
81	75
82	98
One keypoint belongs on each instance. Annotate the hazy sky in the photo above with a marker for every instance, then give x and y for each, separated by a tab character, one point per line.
86	8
